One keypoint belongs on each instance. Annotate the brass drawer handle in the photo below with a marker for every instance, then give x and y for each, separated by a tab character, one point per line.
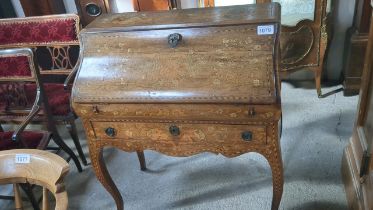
174	130
247	136
110	131
95	109
174	39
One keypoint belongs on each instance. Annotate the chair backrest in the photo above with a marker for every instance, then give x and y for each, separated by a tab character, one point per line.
16	68
35	167
17	65
303	45
53	38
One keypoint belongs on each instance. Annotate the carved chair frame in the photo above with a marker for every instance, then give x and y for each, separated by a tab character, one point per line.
16	136
61	66
315	39
26	116
20	174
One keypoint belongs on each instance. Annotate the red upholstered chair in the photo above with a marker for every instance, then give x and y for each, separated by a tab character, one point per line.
17	73
16	67
56	47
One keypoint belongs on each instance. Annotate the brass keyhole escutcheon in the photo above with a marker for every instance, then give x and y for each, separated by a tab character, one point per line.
247	136
174	39
252	112
174	130
110	131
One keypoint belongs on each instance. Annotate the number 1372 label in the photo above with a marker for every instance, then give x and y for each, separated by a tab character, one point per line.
266	30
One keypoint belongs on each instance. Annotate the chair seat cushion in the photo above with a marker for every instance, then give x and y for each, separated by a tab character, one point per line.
31	139
58	97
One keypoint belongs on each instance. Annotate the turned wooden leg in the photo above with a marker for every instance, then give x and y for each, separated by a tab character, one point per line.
17	197
103	175
141	156
27	188
275	162
45	204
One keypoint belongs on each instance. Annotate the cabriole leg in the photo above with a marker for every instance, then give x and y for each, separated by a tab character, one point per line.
275	162
103	175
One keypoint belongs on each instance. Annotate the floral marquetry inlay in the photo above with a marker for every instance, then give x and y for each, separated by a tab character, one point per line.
186	73
215	90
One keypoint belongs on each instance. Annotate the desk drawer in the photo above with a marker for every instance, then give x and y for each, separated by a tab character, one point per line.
181	133
240	114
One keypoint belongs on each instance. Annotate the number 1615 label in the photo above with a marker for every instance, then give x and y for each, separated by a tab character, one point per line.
266	30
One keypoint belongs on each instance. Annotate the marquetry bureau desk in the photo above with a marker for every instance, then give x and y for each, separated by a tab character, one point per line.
182	82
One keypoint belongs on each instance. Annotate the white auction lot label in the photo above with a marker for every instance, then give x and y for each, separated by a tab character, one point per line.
266	30
23	158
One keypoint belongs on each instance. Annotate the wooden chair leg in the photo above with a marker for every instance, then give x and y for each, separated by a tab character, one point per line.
324	47
141	156
71	127
17	197
318	81
28	190
45	199
58	140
